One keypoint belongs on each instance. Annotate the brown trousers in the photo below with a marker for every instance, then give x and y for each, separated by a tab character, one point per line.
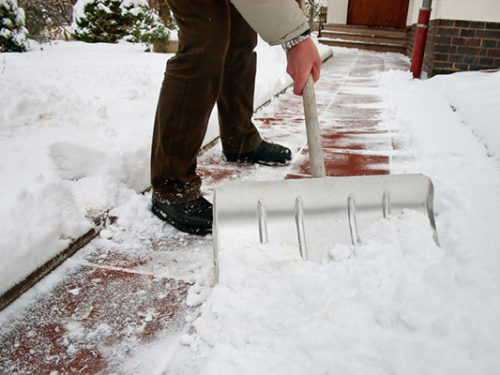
215	63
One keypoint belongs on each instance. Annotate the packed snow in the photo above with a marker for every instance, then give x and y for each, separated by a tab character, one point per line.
76	124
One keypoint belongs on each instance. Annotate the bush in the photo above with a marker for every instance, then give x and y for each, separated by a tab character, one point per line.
46	18
112	20
313	9
12	30
149	28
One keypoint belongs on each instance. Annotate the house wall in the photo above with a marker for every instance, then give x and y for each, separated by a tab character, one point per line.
475	10
463	35
337	11
455	45
471	10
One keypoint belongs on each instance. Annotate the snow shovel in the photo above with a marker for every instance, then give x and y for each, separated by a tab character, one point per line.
313	214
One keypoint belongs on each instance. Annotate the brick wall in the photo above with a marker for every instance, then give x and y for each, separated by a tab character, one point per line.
454	46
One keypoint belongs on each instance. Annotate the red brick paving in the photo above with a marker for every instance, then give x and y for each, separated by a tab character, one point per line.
115	301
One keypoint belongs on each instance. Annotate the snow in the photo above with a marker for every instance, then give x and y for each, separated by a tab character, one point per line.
454	142
475	98
397	303
76	123
336	317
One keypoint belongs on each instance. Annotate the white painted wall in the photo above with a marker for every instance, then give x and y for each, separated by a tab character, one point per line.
337	11
469	10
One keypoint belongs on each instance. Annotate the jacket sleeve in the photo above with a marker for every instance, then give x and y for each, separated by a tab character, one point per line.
276	21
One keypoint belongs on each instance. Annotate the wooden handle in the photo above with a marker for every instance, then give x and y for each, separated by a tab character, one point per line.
312	130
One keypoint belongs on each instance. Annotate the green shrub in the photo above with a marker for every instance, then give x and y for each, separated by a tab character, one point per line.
103	21
113	20
12	31
149	28
48	19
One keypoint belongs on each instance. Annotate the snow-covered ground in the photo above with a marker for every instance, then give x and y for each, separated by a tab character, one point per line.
76	124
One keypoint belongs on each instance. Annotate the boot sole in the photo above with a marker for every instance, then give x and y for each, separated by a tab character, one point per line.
262	162
191	229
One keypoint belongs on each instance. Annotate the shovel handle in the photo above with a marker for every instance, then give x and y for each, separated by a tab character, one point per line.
312	130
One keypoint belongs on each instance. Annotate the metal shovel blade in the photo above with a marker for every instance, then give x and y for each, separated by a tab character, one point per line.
313	214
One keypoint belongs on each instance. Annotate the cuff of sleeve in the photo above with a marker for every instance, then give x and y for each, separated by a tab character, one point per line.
287	46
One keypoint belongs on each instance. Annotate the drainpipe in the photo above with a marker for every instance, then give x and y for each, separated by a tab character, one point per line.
420	38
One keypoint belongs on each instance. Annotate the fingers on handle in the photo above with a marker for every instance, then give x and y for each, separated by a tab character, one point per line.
300	80
299	83
316	72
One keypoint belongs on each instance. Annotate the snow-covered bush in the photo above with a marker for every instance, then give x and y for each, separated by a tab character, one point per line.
149	29
12	31
113	20
48	19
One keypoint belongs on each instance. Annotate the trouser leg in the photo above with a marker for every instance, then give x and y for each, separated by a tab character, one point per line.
191	86
235	103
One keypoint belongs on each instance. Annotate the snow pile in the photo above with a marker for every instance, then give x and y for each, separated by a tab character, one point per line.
475	97
391	305
396	304
75	127
452	141
470	98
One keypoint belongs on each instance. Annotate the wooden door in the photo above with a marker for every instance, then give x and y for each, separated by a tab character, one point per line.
384	13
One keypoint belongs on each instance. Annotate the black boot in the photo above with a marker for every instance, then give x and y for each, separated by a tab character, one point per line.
193	217
266	153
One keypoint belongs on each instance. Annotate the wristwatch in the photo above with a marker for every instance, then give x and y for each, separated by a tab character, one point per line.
287	46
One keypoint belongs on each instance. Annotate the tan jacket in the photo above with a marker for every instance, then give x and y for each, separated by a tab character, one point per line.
276	21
